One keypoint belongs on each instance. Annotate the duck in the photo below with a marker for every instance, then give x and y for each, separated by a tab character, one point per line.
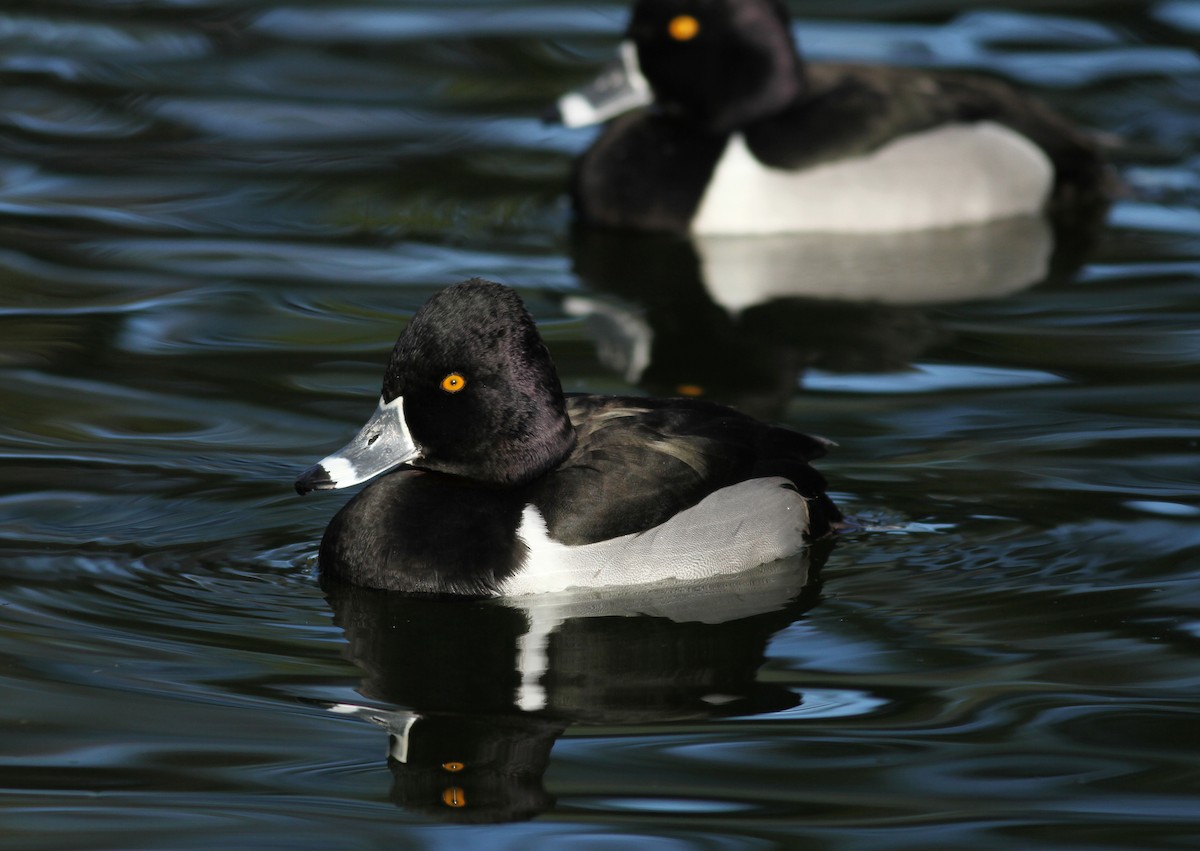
487	480
731	132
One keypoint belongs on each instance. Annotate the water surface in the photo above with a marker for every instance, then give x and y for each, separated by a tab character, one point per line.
216	215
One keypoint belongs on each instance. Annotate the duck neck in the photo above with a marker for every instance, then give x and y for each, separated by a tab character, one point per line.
541	447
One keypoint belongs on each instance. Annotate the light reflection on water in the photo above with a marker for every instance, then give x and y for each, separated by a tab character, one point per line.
214	218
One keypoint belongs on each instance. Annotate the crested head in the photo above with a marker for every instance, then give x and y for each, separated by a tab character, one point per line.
480	393
720	63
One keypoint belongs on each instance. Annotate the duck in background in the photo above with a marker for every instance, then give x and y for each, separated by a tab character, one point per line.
743	137
509	486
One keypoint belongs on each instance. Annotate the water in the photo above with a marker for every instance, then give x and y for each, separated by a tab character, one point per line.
216	215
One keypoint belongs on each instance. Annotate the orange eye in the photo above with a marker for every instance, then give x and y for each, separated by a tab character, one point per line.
454	797
453	382
452	766
683	28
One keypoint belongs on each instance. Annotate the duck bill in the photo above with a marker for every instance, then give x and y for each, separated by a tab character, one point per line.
383	444
619	88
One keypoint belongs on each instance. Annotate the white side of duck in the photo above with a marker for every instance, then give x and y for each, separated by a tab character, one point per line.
737	528
951	175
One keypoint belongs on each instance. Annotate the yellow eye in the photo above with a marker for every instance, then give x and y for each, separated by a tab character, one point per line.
452	766
453	382
683	28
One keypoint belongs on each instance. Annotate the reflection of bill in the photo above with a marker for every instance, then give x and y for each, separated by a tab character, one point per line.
488	686
466	768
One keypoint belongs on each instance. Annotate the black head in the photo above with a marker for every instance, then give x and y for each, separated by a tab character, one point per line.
720	63
481	397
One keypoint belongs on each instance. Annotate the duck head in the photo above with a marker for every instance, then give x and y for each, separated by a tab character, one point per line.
470	391
720	64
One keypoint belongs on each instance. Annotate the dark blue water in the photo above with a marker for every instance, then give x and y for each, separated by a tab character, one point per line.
216	215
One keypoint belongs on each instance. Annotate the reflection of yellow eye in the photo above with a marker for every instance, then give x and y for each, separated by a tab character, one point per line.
453	382
454	797
683	27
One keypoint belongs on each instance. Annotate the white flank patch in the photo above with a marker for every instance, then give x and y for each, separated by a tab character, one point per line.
734	529
952	175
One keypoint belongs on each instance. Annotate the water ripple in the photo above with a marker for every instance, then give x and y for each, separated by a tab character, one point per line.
215	215
366	24
28	33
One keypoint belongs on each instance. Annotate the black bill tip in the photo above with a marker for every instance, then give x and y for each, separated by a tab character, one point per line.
315	478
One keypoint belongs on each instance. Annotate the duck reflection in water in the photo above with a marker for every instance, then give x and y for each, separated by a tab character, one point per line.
473	694
741	318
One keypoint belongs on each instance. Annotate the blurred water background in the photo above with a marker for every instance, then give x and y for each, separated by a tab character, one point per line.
216	215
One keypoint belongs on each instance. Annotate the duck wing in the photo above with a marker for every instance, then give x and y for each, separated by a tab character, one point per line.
638	462
854	109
